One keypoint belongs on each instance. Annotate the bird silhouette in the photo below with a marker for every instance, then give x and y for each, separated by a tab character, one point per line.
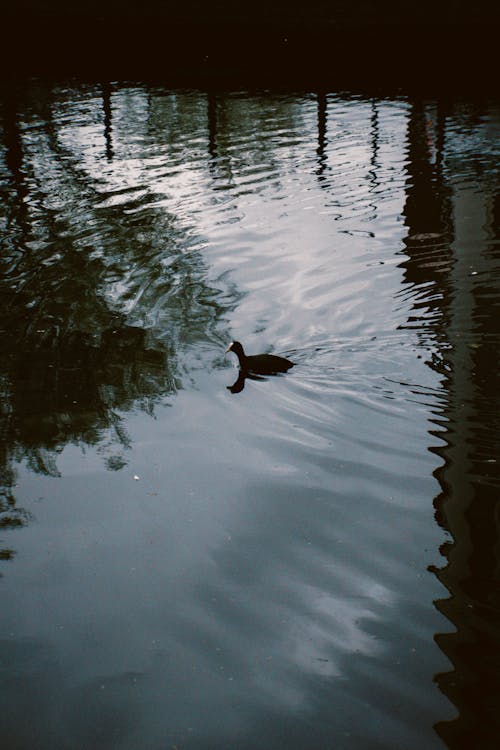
259	364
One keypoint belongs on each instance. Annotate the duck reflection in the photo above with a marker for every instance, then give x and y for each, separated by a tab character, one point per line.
239	383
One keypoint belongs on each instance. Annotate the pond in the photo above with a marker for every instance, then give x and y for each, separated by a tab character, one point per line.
303	560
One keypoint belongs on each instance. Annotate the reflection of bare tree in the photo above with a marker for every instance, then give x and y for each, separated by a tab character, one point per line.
322	133
454	281
470	479
212	125
108	128
241	118
428	257
11	516
97	303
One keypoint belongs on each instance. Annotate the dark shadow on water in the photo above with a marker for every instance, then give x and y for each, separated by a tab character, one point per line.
452	272
98	302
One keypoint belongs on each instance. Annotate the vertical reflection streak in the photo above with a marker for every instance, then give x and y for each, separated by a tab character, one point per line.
445	217
108	113
374	165
212	125
322	134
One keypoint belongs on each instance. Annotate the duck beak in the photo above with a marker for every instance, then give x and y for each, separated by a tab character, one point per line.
228	348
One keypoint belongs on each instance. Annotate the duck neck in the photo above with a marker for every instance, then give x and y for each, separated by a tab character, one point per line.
242	359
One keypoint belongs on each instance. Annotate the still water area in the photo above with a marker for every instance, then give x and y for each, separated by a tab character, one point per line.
310	560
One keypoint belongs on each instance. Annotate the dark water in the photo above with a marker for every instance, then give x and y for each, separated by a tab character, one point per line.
315	560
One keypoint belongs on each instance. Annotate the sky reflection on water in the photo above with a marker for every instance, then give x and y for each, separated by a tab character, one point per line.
185	566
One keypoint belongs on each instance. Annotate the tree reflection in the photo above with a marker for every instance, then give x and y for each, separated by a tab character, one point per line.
108	118
455	284
98	301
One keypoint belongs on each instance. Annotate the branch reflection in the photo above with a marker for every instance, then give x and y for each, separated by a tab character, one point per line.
101	293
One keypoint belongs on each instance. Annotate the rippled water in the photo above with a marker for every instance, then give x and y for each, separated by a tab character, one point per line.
312	561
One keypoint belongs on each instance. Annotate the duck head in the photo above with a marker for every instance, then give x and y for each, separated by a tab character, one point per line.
237	348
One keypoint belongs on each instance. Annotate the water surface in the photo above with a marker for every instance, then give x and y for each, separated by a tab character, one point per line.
313	560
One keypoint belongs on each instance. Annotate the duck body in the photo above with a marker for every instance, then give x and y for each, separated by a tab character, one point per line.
260	364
